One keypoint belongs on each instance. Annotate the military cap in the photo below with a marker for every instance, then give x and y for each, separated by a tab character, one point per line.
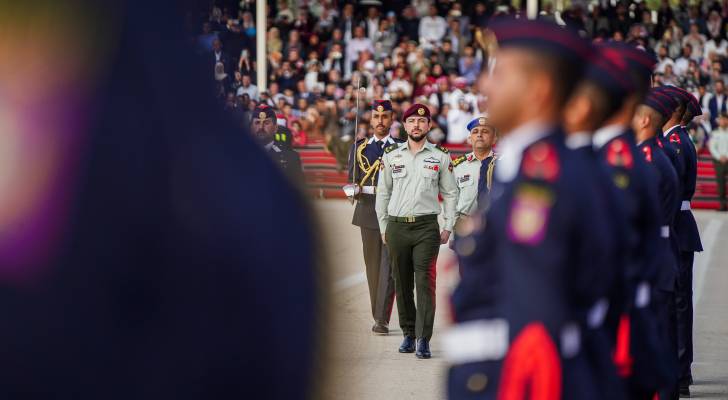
609	71
691	103
417	109
639	62
657	101
668	101
381	105
480	121
541	35
264	111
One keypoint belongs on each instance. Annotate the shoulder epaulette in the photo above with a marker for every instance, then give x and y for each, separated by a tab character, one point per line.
391	147
442	149
619	154
458	160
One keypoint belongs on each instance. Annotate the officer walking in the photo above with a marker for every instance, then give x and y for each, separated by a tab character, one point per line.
365	159
474	171
412	175
264	128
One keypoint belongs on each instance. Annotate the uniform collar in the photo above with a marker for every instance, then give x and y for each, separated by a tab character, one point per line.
605	134
667	132
387	140
272	146
426	146
578	140
511	147
471	156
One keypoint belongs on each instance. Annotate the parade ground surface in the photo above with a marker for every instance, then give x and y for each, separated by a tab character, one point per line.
362	365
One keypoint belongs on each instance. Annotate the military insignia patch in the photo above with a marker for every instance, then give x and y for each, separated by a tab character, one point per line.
442	149
470	157
675	138
529	214
458	160
621	180
618	154
481	121
435	167
421	111
432	160
647	151
541	162
391	147
380	108
449	167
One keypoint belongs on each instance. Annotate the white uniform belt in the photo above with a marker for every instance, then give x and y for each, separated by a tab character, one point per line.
369	189
665	231
475	341
685	205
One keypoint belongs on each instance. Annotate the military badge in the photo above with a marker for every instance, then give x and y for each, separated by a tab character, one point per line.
470	157
541	162
618	154
621	180
421	111
380	108
449	167
647	151
262	115
675	138
481	121
529	214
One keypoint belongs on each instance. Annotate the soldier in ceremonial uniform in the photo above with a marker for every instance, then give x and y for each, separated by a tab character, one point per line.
474	171
412	176
365	159
685	226
536	265
264	127
648	119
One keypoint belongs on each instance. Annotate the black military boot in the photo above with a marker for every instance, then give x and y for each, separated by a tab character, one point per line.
408	345
423	348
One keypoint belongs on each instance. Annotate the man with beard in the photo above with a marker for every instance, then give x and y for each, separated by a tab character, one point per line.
412	175
364	160
264	128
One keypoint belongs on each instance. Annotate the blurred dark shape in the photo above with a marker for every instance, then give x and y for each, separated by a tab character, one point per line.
169	281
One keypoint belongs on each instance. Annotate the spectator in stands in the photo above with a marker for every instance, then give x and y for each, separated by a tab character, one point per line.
718	146
432	29
716	103
273	42
355	46
248	88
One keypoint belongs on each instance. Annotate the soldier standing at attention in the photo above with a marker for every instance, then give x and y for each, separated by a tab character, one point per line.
364	161
474	171
264	129
412	175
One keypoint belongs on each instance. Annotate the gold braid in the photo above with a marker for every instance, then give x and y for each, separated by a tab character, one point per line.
367	168
489	173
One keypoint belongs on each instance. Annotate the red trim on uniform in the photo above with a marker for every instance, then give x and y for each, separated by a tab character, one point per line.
619	154
432	278
674	138
647	151
622	358
532	368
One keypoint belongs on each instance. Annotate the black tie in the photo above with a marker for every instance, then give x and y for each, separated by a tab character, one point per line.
483	180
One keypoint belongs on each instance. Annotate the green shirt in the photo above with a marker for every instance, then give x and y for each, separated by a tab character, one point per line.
409	184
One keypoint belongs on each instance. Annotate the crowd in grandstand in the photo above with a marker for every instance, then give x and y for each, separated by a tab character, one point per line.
320	51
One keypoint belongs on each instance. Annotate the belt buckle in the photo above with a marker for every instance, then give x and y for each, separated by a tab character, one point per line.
409	219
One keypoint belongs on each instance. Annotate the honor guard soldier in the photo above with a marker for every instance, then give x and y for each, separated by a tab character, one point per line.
647	122
264	127
412	176
474	171
536	264
365	159
685	226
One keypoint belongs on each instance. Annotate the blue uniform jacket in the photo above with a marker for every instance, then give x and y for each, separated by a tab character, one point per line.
687	229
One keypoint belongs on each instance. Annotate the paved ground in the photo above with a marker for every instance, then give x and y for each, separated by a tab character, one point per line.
364	366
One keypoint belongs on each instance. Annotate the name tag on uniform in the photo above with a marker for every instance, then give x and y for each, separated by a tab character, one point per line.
464	179
398	170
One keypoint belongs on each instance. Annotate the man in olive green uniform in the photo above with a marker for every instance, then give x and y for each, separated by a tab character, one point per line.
364	160
474	172
412	175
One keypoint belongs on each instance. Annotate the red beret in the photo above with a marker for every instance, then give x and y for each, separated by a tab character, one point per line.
417	110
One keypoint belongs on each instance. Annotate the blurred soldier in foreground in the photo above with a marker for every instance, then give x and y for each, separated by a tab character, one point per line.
266	130
141	265
541	251
412	176
365	159
474	171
